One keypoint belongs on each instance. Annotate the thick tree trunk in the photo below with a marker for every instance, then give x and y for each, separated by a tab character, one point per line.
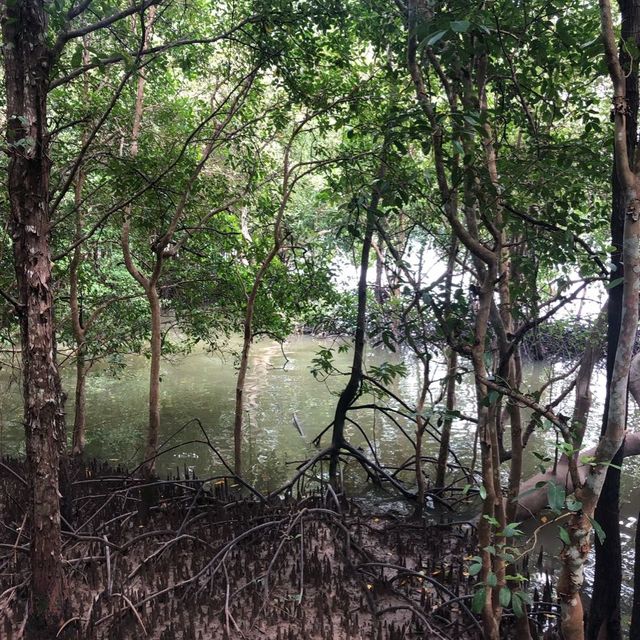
26	63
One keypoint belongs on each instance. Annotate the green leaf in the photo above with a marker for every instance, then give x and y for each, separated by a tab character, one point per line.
76	58
474	569
477	604
598	529
573	504
483	492
511	530
505	596
492	579
614	283
516	604
434	38
460	26
556	495
564	536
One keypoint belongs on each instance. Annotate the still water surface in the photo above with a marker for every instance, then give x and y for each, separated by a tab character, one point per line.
202	385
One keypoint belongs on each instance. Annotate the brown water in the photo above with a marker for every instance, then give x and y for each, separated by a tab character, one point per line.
201	385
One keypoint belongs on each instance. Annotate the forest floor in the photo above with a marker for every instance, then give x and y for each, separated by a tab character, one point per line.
185	560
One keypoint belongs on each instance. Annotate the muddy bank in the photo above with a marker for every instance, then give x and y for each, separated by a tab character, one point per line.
182	559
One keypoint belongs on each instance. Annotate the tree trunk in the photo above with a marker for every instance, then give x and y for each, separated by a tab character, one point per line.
579	527
26	64
246	348
452	370
276	249
80	418
378	292
604	612
350	392
574	554
149	284
153	430
75	303
420	428
445	436
486	430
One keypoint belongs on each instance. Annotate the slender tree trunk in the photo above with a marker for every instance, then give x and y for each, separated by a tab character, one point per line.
486	430
26	66
350	392
79	334
80	418
445	436
239	408
251	305
379	271
604	612
452	370
246	348
153	430
579	526
149	284
420	427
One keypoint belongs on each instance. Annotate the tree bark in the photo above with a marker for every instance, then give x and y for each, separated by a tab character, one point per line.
452	370
26	65
79	334
445	436
604	611
574	554
153	429
420	428
80	417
